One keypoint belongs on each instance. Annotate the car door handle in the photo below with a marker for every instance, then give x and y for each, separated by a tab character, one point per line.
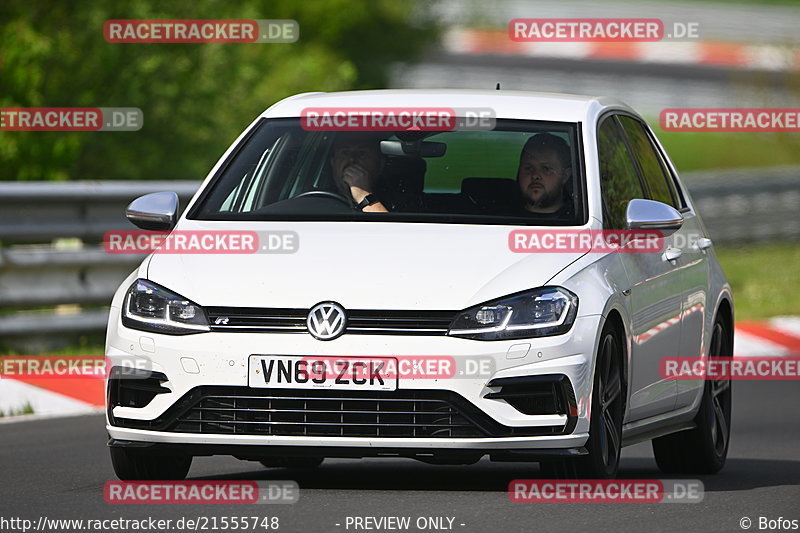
671	254
703	244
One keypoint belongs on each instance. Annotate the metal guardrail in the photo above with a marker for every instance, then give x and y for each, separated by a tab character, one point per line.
748	205
33	212
37	271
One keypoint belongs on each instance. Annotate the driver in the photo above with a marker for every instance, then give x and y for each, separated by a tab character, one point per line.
357	162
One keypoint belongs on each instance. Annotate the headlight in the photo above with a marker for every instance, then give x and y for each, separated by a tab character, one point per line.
150	307
538	313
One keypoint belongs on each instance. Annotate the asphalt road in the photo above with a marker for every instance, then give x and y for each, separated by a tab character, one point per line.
57	468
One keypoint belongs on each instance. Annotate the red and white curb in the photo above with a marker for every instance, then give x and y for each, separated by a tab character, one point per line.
74	396
50	397
700	52
776	336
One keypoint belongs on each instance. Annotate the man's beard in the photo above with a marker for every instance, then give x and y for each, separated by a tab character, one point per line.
545	201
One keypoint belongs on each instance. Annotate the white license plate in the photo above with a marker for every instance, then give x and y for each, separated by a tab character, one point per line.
324	372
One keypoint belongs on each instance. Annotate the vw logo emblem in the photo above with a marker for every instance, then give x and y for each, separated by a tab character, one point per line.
326	321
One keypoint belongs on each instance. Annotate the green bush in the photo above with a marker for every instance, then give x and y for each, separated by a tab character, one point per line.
196	98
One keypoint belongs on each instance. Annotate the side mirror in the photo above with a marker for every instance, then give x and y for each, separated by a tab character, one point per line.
156	211
652	215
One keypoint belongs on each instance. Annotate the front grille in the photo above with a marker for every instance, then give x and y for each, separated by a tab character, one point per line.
327	413
330	415
364	322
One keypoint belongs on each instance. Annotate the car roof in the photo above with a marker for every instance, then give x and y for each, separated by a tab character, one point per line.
522	105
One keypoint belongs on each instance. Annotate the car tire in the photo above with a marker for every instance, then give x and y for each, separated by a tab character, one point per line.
607	409
139	465
292	462
703	450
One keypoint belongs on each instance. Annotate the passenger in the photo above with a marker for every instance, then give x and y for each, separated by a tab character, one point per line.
544	170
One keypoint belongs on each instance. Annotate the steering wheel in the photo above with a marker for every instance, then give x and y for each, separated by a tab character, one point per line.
327	194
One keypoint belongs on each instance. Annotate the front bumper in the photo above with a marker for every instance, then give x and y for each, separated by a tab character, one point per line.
221	360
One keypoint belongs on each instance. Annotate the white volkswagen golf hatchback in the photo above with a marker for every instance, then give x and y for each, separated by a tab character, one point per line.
416	289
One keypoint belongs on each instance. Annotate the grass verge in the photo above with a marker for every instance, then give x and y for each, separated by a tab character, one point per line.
26	409
709	150
765	278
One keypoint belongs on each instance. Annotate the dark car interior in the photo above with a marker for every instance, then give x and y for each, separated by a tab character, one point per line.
293	177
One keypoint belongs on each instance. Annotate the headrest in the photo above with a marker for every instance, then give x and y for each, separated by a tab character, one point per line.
491	190
405	174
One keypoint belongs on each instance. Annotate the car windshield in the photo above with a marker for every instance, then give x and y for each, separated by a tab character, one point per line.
520	173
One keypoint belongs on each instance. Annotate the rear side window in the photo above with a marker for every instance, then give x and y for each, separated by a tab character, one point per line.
659	184
619	182
475	154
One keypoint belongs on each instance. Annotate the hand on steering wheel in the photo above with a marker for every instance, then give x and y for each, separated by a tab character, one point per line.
328	194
